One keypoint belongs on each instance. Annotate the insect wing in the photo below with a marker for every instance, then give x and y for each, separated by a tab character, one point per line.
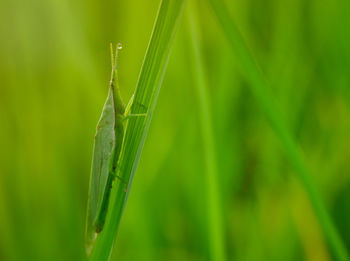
102	155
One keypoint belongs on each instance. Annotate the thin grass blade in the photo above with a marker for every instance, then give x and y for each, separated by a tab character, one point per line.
264	96
213	196
145	98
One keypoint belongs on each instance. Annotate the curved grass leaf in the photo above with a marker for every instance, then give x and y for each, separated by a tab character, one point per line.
264	96
145	98
216	236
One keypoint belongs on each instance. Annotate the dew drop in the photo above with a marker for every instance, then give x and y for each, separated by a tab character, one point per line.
119	46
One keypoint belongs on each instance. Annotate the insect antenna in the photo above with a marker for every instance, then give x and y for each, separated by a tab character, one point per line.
112	56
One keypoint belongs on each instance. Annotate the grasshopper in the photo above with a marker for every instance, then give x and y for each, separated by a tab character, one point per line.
107	147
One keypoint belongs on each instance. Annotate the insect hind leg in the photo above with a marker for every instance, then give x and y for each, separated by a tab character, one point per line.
116	176
121	179
130	103
142	105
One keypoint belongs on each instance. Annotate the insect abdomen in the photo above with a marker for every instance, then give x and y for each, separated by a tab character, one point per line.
101	218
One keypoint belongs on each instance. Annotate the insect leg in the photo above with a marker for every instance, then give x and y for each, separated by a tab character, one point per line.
122	181
130	103
127	113
128	106
114	174
134	115
142	105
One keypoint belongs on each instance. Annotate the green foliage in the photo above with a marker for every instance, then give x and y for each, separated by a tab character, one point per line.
222	168
264	96
213	196
144	102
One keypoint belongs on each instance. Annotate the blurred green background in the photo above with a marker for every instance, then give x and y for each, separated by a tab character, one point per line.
54	74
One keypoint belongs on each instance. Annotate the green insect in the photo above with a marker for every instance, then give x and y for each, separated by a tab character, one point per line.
108	143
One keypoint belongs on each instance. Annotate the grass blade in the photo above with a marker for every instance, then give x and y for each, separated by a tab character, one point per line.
146	94
263	94
213	198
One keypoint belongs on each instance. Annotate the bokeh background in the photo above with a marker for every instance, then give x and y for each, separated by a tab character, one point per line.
54	73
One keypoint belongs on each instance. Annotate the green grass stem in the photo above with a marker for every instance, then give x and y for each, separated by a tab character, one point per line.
146	94
213	197
264	96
